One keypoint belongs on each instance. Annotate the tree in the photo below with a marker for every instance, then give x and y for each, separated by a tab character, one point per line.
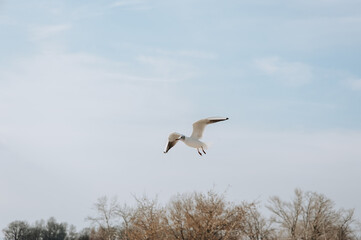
84	234
287	214
257	227
54	230
36	231
205	216
202	216
146	221
106	219
311	216
17	230
71	233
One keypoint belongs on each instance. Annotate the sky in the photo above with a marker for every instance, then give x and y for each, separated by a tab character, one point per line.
90	91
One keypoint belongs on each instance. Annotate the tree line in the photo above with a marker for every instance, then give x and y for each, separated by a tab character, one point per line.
202	216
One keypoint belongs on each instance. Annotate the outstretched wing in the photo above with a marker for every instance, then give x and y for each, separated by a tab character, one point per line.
172	140
198	127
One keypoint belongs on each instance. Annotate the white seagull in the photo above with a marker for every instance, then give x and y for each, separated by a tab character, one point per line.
193	140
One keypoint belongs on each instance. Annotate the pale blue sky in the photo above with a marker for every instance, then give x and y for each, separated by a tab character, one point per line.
90	90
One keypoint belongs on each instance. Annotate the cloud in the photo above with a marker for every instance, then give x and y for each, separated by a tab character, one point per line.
355	84
198	54
47	31
6	20
54	99
131	4
66	115
194	54
167	68
288	73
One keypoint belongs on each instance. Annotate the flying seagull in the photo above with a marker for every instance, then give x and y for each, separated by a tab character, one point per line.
193	140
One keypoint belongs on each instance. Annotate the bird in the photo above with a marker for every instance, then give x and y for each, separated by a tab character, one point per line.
193	141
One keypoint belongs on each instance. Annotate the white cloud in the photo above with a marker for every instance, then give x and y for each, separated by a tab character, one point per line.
77	121
55	98
194	54
47	31
67	115
288	73
6	20
167	68
131	4
355	84
197	54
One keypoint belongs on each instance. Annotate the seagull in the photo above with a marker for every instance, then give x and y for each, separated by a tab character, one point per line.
193	140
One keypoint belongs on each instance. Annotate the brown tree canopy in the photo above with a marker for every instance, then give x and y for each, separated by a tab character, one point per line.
202	216
312	216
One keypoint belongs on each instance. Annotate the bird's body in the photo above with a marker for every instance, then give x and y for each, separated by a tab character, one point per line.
193	141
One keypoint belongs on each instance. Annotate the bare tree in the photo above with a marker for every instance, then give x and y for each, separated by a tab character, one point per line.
205	216
257	227
17	230
202	216
106	219
343	226
287	214
311	216
145	221
54	230
72	233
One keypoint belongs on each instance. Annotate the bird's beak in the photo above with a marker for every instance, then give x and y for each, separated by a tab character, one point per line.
169	146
